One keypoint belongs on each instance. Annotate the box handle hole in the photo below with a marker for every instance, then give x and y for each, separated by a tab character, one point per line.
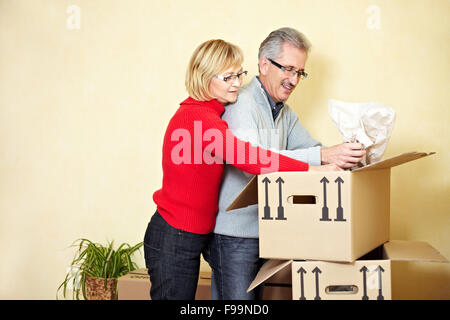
304	199
341	289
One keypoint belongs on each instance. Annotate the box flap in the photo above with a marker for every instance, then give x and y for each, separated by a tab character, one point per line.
267	270
205	275
141	271
402	250
247	197
395	161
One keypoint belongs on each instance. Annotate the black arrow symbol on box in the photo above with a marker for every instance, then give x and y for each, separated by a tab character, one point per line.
364	270
266	216
325	216
340	210
380	289
317	271
302	289
280	206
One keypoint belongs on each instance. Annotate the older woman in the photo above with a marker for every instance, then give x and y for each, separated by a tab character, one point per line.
195	146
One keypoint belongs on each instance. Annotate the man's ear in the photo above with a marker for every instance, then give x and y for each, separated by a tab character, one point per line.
263	65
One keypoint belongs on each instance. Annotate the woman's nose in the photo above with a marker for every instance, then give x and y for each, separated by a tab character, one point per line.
237	82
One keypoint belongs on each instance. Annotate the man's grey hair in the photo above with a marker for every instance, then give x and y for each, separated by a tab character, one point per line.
271	47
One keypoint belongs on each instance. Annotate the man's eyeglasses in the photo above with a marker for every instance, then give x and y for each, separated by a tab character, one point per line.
232	77
300	74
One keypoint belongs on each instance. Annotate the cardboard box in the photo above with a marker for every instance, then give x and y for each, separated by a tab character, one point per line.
136	286
279	286
368	278
331	216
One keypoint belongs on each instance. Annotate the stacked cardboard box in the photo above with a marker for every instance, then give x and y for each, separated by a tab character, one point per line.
332	228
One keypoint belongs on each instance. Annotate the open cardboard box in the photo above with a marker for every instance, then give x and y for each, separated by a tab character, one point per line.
331	216
368	278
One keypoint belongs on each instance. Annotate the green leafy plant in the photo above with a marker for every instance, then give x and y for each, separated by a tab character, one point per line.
99	261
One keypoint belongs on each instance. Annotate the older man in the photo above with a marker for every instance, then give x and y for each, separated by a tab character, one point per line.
261	116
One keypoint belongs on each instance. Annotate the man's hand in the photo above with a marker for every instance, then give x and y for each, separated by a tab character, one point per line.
344	155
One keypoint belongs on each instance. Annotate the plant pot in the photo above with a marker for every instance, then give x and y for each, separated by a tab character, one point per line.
95	288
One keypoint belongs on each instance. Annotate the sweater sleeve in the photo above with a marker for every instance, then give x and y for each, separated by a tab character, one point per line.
300	141
242	120
243	155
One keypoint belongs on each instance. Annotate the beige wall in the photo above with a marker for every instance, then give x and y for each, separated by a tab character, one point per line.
83	113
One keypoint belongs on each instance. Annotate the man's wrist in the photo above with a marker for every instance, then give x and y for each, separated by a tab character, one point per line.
323	156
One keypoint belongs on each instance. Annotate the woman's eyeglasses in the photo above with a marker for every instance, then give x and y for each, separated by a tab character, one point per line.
232	77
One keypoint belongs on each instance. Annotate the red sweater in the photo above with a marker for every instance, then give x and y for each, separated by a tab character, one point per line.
194	151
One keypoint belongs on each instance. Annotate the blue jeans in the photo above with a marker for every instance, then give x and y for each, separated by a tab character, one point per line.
234	263
172	257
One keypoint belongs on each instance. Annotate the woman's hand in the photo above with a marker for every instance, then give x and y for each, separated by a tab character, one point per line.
326	167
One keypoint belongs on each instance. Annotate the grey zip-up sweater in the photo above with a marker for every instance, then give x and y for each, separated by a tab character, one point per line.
250	119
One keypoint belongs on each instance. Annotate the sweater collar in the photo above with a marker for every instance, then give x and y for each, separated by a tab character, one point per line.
214	105
275	107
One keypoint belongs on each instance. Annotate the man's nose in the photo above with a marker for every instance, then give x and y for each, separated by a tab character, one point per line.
293	79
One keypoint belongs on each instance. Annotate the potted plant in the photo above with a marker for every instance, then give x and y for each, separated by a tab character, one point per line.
95	269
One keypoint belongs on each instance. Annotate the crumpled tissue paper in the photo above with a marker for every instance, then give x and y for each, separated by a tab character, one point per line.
369	123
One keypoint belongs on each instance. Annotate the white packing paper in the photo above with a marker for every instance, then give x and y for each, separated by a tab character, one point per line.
369	123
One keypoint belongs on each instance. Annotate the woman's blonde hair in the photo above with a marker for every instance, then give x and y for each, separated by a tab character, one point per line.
209	59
